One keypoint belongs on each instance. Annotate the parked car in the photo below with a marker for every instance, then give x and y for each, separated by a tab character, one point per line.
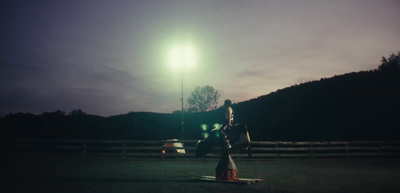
173	146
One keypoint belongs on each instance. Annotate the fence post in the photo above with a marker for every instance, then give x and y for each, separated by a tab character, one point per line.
311	149
276	150
123	149
249	150
347	149
161	151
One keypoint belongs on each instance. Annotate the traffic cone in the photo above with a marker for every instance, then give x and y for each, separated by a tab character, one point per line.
226	168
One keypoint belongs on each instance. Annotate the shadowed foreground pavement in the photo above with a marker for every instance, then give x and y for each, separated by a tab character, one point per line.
76	174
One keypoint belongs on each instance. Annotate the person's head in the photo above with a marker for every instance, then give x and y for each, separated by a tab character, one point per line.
227	103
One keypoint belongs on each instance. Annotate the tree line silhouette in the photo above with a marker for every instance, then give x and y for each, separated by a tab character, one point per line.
355	106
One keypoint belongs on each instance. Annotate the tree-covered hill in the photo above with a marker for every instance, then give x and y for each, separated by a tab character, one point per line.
354	106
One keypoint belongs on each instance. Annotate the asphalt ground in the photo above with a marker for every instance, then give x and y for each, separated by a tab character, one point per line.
97	175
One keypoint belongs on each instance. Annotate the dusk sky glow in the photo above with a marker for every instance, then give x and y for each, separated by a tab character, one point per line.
112	57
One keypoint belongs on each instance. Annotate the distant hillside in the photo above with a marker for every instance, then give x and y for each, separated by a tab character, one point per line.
354	106
131	126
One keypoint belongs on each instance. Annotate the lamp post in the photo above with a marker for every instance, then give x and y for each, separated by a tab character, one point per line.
182	59
182	116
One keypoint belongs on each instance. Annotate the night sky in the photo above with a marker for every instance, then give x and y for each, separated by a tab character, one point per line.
112	57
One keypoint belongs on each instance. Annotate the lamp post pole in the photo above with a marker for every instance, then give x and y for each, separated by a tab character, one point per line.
182	58
182	117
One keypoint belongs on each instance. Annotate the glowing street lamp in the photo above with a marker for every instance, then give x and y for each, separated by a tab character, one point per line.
182	59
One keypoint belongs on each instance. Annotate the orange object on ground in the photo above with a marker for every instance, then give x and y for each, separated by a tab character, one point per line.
226	168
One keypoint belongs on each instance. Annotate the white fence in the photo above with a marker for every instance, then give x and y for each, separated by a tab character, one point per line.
258	149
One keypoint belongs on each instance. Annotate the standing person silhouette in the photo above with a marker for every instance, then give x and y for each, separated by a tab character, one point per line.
228	121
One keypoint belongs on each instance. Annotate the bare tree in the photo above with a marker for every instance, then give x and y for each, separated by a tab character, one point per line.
203	98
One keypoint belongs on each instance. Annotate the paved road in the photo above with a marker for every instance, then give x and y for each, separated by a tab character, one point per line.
74	174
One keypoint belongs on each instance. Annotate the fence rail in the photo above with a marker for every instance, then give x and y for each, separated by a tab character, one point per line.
258	149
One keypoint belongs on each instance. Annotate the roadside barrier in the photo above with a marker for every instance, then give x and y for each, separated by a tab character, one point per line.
163	148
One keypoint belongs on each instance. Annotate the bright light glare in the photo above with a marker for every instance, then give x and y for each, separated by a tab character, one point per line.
183	58
205	135
216	126
204	127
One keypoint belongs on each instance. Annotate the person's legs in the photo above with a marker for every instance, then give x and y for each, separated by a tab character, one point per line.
224	133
